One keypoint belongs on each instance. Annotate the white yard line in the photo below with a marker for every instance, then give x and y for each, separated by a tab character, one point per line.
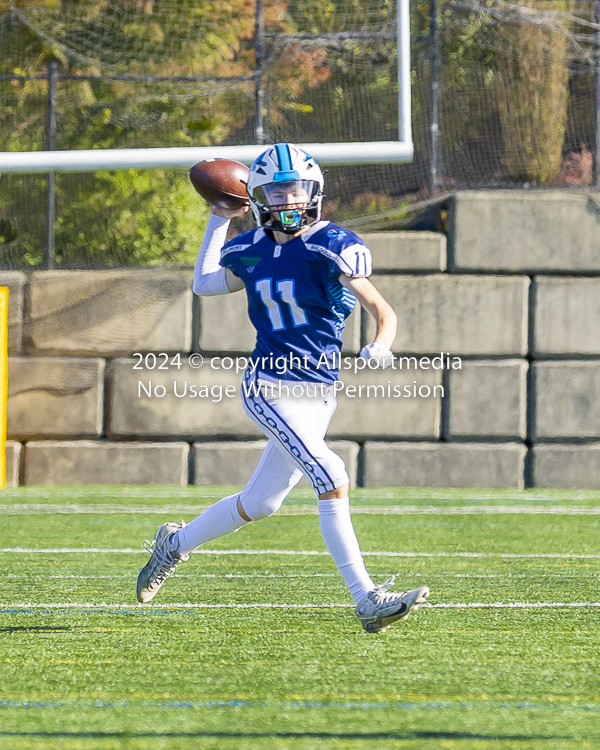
243	576
202	494
408	702
133	575
295	553
366	704
102	509
302	510
271	605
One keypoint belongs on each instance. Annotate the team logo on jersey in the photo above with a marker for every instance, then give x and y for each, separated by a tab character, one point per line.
250	263
336	234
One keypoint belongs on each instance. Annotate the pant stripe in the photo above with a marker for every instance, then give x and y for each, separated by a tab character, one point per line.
317	482
308	453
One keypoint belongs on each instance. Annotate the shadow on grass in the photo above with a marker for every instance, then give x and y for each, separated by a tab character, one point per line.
33	629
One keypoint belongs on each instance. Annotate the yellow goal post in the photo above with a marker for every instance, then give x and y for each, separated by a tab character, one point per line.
3	380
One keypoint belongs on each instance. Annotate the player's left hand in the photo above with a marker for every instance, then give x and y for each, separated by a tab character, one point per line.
378	352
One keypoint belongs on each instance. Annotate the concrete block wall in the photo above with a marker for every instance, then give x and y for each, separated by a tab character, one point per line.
513	291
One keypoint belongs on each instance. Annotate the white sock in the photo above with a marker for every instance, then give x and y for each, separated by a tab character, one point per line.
340	539
220	519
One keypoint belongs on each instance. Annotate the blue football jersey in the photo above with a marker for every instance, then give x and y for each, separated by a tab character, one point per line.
295	299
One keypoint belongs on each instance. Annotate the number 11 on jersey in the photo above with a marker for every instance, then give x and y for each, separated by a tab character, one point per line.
285	287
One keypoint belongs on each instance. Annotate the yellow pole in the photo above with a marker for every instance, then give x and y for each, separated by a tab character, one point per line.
3	380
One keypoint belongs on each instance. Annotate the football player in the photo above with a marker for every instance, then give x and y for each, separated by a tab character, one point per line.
302	277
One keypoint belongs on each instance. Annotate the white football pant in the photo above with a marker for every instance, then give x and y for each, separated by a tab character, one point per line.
296	426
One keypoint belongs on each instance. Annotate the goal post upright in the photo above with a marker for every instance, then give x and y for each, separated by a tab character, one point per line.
3	380
404	84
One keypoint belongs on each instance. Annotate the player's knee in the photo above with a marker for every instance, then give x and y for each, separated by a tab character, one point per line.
336	471
269	506
259	508
242	511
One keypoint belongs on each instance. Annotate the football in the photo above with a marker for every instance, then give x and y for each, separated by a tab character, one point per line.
221	182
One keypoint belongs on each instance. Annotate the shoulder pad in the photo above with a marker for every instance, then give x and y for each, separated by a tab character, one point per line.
334	239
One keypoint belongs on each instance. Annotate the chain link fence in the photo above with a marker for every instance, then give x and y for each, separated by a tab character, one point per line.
504	94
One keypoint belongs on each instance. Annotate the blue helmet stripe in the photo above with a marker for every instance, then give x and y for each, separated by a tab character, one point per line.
284	157
286	176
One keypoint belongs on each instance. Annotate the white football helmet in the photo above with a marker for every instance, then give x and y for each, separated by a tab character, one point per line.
285	188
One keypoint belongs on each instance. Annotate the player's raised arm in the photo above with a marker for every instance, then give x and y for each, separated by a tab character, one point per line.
210	278
383	313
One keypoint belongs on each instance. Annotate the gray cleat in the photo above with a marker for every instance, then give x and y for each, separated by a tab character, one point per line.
380	608
162	563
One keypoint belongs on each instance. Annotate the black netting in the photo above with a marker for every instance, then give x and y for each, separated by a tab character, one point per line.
516	106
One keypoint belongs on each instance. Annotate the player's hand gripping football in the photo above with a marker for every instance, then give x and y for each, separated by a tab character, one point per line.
379	353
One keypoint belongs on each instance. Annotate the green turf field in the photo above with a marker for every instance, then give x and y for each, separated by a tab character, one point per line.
259	648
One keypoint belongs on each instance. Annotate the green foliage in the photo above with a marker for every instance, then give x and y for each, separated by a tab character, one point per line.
532	83
132	217
467	76
8	233
122	218
321	16
503	101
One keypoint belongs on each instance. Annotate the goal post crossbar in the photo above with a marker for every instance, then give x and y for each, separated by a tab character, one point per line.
327	154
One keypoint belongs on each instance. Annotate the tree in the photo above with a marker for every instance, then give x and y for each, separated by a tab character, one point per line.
532	84
136	216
